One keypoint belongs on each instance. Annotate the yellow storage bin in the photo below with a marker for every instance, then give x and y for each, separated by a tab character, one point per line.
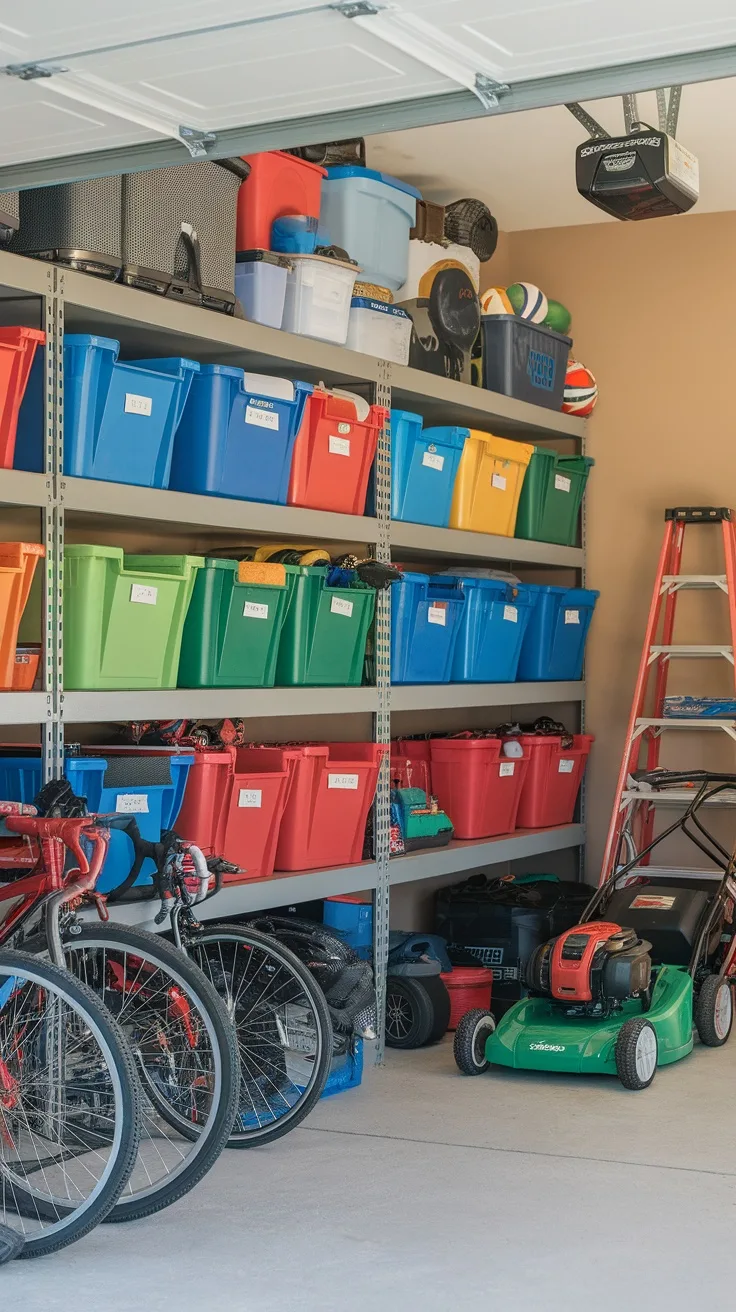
488	484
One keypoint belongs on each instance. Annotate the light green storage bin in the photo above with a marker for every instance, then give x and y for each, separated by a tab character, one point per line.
325	631
124	617
551	497
233	626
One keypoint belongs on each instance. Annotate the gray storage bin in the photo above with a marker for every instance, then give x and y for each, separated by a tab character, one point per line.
73	223
9	217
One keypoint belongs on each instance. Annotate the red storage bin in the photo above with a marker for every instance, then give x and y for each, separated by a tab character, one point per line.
410	772
334	452
27	661
331	790
468	987
553	779
278	184
416	750
233	806
17	349
479	789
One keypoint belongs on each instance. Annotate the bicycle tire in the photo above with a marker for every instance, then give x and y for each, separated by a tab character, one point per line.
74	1224
248	1040
205	1146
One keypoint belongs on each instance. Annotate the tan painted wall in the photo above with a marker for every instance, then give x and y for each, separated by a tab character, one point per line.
653	317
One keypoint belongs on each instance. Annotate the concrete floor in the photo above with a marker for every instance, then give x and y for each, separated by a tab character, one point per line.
425	1190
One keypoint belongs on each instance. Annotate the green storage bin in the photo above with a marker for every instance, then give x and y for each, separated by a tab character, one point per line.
325	631
124	617
551	497
232	629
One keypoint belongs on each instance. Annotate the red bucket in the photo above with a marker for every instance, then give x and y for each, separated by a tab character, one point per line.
468	987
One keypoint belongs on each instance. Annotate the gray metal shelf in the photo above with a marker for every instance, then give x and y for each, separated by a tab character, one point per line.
24	707
18	488
443	696
442	401
214	703
460	856
423	540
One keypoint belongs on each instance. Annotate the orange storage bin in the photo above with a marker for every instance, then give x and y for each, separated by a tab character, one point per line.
18	562
25	669
17	349
278	184
334	452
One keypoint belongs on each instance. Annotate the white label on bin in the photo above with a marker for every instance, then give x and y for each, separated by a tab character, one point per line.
138	405
255	610
572	616
343	781
22	660
506	768
339	606
511	613
250	797
143	593
338	446
498	480
562	484
433	461
437	615
132	803
263	418
566	767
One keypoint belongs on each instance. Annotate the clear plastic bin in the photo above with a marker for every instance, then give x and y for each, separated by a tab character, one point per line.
318	295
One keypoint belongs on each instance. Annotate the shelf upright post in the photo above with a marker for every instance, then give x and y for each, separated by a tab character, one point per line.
53	524
382	720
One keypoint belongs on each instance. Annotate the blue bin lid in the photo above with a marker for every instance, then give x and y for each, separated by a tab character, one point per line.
382	307
90	339
446	435
356	171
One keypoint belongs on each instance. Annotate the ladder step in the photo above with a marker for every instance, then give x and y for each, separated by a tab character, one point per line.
693	649
701	722
686	581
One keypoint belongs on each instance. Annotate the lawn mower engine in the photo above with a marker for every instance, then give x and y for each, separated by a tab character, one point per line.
592	968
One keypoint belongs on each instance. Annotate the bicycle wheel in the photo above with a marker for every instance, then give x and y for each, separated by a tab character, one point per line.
184	1048
70	1116
282	1024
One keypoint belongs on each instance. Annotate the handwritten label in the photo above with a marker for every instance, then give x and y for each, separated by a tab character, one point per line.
144	594
572	616
262	418
250	797
566	767
511	613
506	768
255	610
342	781
433	461
338	446
562	484
498	480
437	615
132	803
339	606
138	405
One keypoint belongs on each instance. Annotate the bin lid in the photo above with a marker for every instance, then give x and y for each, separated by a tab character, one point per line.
341	171
446	435
268	257
90	339
582	596
381	307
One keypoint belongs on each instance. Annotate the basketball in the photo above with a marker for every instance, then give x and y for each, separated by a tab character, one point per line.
528	301
495	301
581	390
558	317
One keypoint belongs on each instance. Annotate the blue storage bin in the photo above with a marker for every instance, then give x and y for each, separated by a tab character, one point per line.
554	642
237	435
120	417
426	612
155	805
491	631
370	215
352	922
347	1070
424	462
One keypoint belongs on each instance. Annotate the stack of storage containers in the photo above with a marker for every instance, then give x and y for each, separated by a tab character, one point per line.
18	665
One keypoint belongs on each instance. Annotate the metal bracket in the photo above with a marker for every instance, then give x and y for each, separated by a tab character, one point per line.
196	141
631	113
489	91
31	72
591	125
673	112
360	9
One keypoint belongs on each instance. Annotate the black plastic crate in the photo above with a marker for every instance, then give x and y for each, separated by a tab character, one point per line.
524	360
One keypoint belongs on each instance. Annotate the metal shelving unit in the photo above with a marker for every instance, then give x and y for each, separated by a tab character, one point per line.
148	325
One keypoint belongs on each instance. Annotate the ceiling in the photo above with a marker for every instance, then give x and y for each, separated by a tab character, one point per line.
523	165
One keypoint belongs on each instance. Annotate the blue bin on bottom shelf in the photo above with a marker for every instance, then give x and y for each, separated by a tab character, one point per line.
352	922
424	465
149	787
120	417
347	1070
554	642
491	631
426	612
237	435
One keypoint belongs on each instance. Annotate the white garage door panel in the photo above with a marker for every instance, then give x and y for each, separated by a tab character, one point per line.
44	126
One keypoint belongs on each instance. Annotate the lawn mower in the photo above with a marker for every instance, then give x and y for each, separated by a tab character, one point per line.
620	992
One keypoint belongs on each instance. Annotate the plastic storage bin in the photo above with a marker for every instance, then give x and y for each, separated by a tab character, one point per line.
346	1071
491	630
331	792
478	788
424	465
318	295
426	612
237	434
325	631
379	329
415	752
370	215
124	617
278	184
524	359
260	286
488	484
551	497
233	806
352	921
553	780
25	669
233	626
17	351
18	562
334	452
554	642
120	417
468	987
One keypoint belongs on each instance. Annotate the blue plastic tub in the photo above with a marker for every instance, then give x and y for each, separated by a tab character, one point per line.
424	462
352	922
426	613
370	215
120	417
491	630
237	435
154	805
554	642
347	1070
